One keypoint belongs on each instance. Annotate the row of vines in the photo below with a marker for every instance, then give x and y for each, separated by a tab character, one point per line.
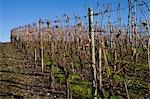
64	46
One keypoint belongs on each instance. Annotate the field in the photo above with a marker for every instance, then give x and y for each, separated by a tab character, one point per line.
78	60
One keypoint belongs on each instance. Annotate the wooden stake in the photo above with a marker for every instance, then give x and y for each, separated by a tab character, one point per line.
149	52
92	54
100	68
41	43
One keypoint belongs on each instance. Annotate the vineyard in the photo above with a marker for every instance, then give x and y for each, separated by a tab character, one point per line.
79	57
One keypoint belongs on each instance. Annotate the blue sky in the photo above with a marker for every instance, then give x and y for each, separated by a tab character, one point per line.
14	13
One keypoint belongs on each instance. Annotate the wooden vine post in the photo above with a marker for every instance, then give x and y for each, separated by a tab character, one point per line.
148	44
92	54
148	28
100	67
41	43
134	32
120	25
128	25
113	45
135	38
35	48
149	52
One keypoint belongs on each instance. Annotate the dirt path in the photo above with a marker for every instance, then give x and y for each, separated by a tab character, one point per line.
18	77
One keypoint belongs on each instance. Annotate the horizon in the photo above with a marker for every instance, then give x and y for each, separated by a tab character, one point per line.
15	13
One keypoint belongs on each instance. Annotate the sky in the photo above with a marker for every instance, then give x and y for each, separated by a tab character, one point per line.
15	13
